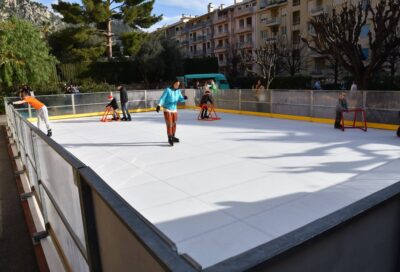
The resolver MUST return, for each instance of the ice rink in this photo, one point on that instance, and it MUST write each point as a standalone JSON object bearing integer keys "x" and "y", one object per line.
{"x": 236, "y": 183}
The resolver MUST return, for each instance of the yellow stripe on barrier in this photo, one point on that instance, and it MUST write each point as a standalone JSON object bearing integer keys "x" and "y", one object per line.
{"x": 252, "y": 113}
{"x": 303, "y": 118}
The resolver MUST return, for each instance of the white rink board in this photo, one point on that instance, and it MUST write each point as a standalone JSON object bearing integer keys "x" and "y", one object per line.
{"x": 236, "y": 183}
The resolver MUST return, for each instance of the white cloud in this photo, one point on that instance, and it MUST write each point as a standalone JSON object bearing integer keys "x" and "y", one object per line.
{"x": 165, "y": 21}
{"x": 196, "y": 6}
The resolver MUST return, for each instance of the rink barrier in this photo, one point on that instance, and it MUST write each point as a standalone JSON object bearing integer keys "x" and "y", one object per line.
{"x": 94, "y": 218}
{"x": 382, "y": 107}
{"x": 81, "y": 216}
{"x": 261, "y": 114}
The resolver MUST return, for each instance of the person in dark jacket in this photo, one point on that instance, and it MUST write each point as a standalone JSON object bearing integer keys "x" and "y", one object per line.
{"x": 126, "y": 116}
{"x": 340, "y": 107}
{"x": 114, "y": 106}
{"x": 205, "y": 99}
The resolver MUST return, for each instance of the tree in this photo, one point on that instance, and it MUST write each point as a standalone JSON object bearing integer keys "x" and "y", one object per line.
{"x": 101, "y": 13}
{"x": 152, "y": 67}
{"x": 24, "y": 55}
{"x": 338, "y": 35}
{"x": 266, "y": 57}
{"x": 292, "y": 58}
{"x": 76, "y": 44}
{"x": 132, "y": 42}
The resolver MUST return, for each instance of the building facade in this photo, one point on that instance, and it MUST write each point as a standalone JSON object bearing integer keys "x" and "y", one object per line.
{"x": 239, "y": 29}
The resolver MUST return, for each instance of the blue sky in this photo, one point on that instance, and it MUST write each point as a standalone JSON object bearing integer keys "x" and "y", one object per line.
{"x": 171, "y": 9}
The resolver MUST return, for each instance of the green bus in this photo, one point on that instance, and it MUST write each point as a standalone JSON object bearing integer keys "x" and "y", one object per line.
{"x": 190, "y": 81}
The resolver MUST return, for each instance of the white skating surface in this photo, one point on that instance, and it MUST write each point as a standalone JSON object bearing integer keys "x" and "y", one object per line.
{"x": 233, "y": 184}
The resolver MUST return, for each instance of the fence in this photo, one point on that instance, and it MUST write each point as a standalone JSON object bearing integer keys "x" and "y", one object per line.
{"x": 380, "y": 106}
{"x": 92, "y": 228}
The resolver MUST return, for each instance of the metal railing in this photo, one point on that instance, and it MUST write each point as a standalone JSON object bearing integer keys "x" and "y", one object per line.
{"x": 92, "y": 227}
{"x": 380, "y": 106}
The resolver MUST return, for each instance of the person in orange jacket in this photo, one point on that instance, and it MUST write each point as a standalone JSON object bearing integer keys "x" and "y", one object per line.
{"x": 42, "y": 113}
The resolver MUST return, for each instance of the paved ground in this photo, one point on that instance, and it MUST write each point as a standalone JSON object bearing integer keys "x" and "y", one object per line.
{"x": 16, "y": 251}
{"x": 3, "y": 120}
{"x": 233, "y": 184}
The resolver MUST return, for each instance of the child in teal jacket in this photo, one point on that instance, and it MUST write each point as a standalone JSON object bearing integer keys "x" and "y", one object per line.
{"x": 169, "y": 100}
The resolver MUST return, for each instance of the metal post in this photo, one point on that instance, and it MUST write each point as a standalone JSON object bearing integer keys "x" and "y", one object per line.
{"x": 89, "y": 223}
{"x": 364, "y": 99}
{"x": 145, "y": 99}
{"x": 30, "y": 111}
{"x": 271, "y": 101}
{"x": 311, "y": 103}
{"x": 240, "y": 99}
{"x": 73, "y": 104}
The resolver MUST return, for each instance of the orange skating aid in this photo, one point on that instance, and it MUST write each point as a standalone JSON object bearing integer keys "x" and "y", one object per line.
{"x": 212, "y": 114}
{"x": 108, "y": 111}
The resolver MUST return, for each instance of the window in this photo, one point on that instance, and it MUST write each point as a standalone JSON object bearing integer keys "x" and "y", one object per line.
{"x": 248, "y": 21}
{"x": 241, "y": 39}
{"x": 296, "y": 18}
{"x": 221, "y": 57}
{"x": 226, "y": 27}
{"x": 208, "y": 45}
{"x": 296, "y": 3}
{"x": 264, "y": 34}
{"x": 296, "y": 37}
{"x": 191, "y": 48}
{"x": 241, "y": 23}
{"x": 283, "y": 30}
{"x": 248, "y": 37}
{"x": 364, "y": 31}
{"x": 220, "y": 43}
{"x": 263, "y": 4}
{"x": 219, "y": 28}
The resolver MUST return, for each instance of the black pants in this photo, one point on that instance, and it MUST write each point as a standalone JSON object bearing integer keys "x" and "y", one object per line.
{"x": 125, "y": 112}
{"x": 204, "y": 112}
{"x": 338, "y": 119}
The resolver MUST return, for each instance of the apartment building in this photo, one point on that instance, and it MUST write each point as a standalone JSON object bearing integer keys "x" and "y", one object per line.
{"x": 235, "y": 34}
{"x": 178, "y": 32}
{"x": 239, "y": 29}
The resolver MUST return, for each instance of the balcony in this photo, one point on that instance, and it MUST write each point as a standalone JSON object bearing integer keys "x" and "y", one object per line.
{"x": 244, "y": 11}
{"x": 247, "y": 28}
{"x": 318, "y": 73}
{"x": 246, "y": 44}
{"x": 311, "y": 31}
{"x": 221, "y": 48}
{"x": 184, "y": 43}
{"x": 199, "y": 25}
{"x": 270, "y": 40}
{"x": 221, "y": 34}
{"x": 221, "y": 19}
{"x": 318, "y": 10}
{"x": 275, "y": 3}
{"x": 272, "y": 21}
{"x": 222, "y": 62}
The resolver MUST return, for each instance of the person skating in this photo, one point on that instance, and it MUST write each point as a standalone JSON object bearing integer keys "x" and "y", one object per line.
{"x": 126, "y": 116}
{"x": 42, "y": 113}
{"x": 169, "y": 100}
{"x": 205, "y": 99}
{"x": 114, "y": 106}
{"x": 340, "y": 107}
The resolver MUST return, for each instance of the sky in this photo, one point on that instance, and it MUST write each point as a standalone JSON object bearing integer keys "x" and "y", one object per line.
{"x": 171, "y": 10}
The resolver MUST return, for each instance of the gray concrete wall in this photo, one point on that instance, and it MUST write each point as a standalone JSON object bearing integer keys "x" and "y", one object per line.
{"x": 367, "y": 243}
